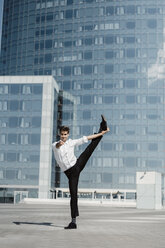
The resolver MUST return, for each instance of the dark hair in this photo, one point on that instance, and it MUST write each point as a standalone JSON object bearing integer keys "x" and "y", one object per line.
{"x": 64, "y": 128}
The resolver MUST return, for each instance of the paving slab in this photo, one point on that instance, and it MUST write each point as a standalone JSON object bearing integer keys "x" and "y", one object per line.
{"x": 42, "y": 226}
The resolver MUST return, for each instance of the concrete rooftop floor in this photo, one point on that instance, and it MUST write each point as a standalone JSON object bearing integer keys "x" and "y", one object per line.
{"x": 42, "y": 226}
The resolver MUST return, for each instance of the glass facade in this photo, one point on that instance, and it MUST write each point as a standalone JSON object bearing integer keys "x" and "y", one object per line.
{"x": 1, "y": 12}
{"x": 109, "y": 55}
{"x": 27, "y": 120}
{"x": 20, "y": 122}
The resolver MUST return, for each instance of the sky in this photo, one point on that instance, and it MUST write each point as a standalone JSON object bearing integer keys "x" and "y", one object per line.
{"x": 1, "y": 4}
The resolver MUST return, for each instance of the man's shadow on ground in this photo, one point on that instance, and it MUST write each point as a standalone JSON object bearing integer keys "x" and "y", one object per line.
{"x": 35, "y": 223}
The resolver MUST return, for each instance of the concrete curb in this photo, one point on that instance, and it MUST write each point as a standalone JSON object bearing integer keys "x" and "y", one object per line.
{"x": 80, "y": 201}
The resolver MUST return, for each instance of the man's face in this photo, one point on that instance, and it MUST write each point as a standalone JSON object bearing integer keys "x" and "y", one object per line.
{"x": 64, "y": 135}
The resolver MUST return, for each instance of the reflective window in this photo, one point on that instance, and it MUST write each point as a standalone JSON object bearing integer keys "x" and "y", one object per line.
{"x": 27, "y": 89}
{"x": 12, "y": 138}
{"x": 67, "y": 115}
{"x": 69, "y": 2}
{"x": 88, "y": 41}
{"x": 131, "y": 99}
{"x": 152, "y": 163}
{"x": 37, "y": 89}
{"x": 87, "y": 86}
{"x": 130, "y": 116}
{"x": 14, "y": 89}
{"x": 49, "y": 4}
{"x": 131, "y": 53}
{"x": 67, "y": 70}
{"x": 130, "y": 9}
{"x": 152, "y": 23}
{"x": 3, "y": 89}
{"x": 130, "y": 83}
{"x": 24, "y": 122}
{"x": 68, "y": 43}
{"x": 3, "y": 105}
{"x": 48, "y": 58}
{"x": 4, "y": 122}
{"x": 13, "y": 122}
{"x": 130, "y": 40}
{"x": 109, "y": 68}
{"x": 130, "y": 161}
{"x": 89, "y": 1}
{"x": 87, "y": 99}
{"x": 88, "y": 69}
{"x": 10, "y": 174}
{"x": 38, "y": 19}
{"x": 107, "y": 177}
{"x": 26, "y": 105}
{"x": 109, "y": 54}
{"x": 11, "y": 157}
{"x": 37, "y": 105}
{"x": 49, "y": 31}
{"x": 2, "y": 156}
{"x": 67, "y": 85}
{"x": 2, "y": 139}
{"x": 153, "y": 147}
{"x": 41, "y": 45}
{"x": 48, "y": 43}
{"x": 109, "y": 99}
{"x": 34, "y": 158}
{"x": 49, "y": 18}
{"x": 14, "y": 105}
{"x": 130, "y": 25}
{"x": 88, "y": 55}
{"x": 153, "y": 99}
{"x": 36, "y": 121}
{"x": 23, "y": 139}
{"x": 86, "y": 115}
{"x": 37, "y": 46}
{"x": 68, "y": 14}
{"x": 151, "y": 11}
{"x": 108, "y": 146}
{"x": 35, "y": 139}
{"x": 110, "y": 10}
{"x": 109, "y": 39}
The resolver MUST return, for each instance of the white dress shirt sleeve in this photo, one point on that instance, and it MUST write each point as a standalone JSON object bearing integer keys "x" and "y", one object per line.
{"x": 54, "y": 144}
{"x": 78, "y": 142}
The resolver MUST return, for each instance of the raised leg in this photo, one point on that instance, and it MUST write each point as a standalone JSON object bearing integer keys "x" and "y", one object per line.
{"x": 83, "y": 158}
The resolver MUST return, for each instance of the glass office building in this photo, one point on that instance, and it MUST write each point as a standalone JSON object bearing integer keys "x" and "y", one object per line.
{"x": 109, "y": 55}
{"x": 28, "y": 115}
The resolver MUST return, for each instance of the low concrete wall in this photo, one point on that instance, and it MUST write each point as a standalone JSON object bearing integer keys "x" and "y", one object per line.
{"x": 127, "y": 203}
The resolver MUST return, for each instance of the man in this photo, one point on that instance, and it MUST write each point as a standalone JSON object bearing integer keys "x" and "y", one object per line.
{"x": 71, "y": 166}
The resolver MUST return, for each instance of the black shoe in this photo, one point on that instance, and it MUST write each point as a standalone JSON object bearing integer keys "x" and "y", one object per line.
{"x": 71, "y": 226}
{"x": 103, "y": 124}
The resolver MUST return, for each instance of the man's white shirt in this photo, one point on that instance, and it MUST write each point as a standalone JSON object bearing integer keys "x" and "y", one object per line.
{"x": 64, "y": 155}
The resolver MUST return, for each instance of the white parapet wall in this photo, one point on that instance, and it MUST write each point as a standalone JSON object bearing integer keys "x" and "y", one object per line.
{"x": 65, "y": 201}
{"x": 148, "y": 186}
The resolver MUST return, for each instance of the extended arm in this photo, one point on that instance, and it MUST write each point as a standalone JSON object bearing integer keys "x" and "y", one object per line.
{"x": 81, "y": 141}
{"x": 93, "y": 136}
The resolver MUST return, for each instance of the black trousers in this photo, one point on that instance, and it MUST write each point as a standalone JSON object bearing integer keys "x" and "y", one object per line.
{"x": 74, "y": 172}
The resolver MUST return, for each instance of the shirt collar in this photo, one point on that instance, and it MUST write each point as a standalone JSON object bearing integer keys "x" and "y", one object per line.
{"x": 66, "y": 142}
